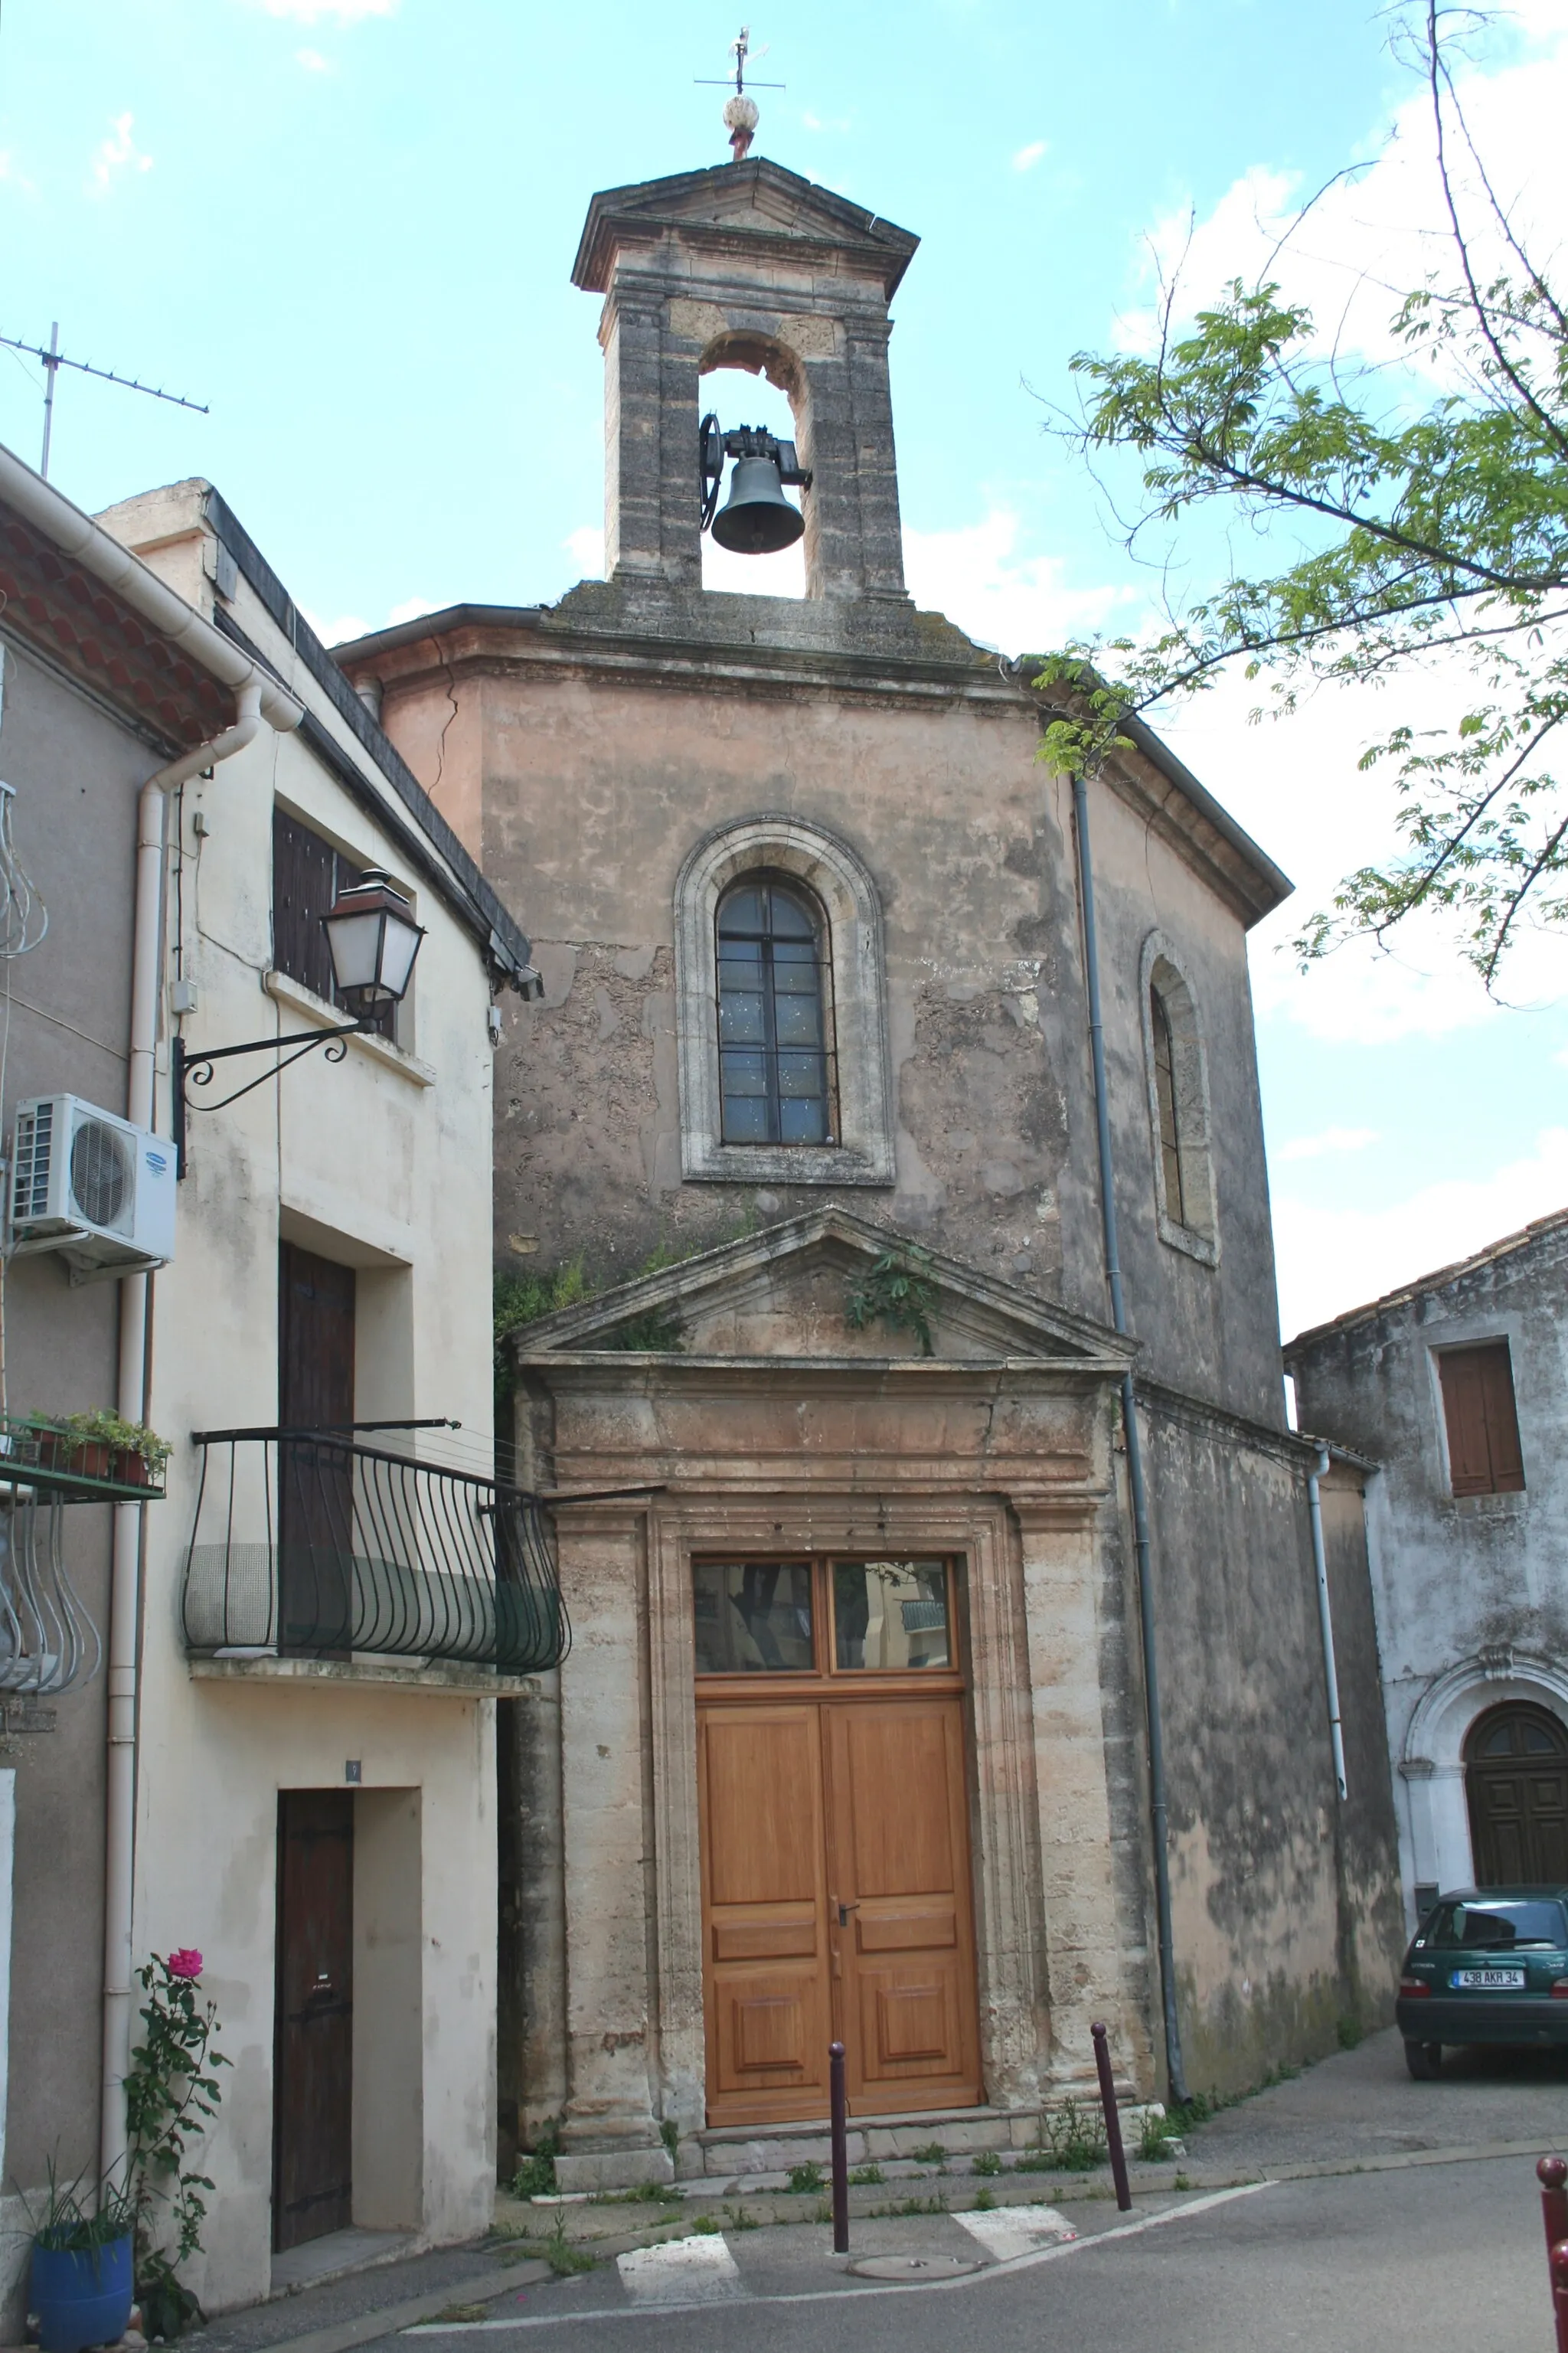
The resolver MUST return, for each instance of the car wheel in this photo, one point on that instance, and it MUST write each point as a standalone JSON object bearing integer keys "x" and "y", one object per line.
{"x": 1418, "y": 2059}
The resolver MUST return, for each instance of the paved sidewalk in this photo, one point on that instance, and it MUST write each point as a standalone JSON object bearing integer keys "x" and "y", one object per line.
{"x": 1361, "y": 2104}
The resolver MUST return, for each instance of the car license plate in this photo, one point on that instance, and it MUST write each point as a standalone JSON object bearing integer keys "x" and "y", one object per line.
{"x": 1490, "y": 1979}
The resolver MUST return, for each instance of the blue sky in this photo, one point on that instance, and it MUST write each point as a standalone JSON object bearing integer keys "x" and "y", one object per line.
{"x": 349, "y": 226}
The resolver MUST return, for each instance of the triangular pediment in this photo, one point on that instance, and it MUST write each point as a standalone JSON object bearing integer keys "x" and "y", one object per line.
{"x": 758, "y": 197}
{"x": 785, "y": 1294}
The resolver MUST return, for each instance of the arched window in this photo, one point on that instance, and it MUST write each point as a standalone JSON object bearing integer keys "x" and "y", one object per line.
{"x": 774, "y": 1040}
{"x": 1166, "y": 1104}
{"x": 1178, "y": 1106}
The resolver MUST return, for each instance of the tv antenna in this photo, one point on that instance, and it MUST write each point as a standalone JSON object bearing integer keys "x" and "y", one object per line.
{"x": 740, "y": 111}
{"x": 53, "y": 359}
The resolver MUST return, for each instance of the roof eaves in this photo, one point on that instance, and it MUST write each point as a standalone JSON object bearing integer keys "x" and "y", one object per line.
{"x": 1438, "y": 1280}
{"x": 498, "y": 933}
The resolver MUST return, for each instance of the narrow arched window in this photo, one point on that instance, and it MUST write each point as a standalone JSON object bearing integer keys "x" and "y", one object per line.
{"x": 774, "y": 1021}
{"x": 1165, "y": 1103}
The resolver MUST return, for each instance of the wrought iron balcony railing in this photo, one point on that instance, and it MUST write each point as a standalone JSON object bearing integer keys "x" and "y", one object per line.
{"x": 308, "y": 1544}
{"x": 47, "y": 1637}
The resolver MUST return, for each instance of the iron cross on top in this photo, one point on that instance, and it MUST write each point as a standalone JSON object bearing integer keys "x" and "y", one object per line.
{"x": 740, "y": 111}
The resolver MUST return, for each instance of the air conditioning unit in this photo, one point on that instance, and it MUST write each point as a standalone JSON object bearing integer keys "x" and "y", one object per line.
{"x": 92, "y": 1187}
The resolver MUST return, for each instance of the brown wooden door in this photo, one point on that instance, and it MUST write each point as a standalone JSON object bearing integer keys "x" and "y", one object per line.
{"x": 764, "y": 1912}
{"x": 312, "y": 2134}
{"x": 315, "y": 1476}
{"x": 836, "y": 1888}
{"x": 899, "y": 1868}
{"x": 1516, "y": 1779}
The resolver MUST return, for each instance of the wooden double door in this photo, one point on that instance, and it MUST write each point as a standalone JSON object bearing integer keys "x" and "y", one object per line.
{"x": 836, "y": 1887}
{"x": 1516, "y": 1779}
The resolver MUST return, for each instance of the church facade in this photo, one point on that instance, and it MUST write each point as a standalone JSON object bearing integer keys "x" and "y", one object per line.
{"x": 853, "y": 1738}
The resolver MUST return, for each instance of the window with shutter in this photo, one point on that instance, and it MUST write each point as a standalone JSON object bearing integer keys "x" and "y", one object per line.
{"x": 307, "y": 873}
{"x": 1484, "y": 1453}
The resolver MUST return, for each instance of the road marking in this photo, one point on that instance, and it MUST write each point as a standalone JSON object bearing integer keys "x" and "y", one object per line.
{"x": 684, "y": 2272}
{"x": 1008, "y": 2231}
{"x": 1014, "y": 2264}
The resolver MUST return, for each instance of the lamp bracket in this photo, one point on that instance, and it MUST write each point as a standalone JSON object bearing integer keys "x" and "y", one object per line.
{"x": 188, "y": 1069}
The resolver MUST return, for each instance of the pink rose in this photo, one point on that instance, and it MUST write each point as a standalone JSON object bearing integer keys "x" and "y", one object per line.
{"x": 185, "y": 1963}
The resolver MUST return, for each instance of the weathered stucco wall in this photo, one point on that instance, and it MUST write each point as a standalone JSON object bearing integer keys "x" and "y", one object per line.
{"x": 1471, "y": 1592}
{"x": 75, "y": 769}
{"x": 380, "y": 1162}
{"x": 1282, "y": 1894}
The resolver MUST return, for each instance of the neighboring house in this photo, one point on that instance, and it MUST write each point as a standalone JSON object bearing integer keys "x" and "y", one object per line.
{"x": 856, "y": 1734}
{"x": 307, "y": 1636}
{"x": 1457, "y": 1387}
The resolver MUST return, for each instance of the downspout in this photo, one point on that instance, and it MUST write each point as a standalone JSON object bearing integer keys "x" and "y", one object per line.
{"x": 135, "y": 1304}
{"x": 1326, "y": 1617}
{"x": 1135, "y": 1481}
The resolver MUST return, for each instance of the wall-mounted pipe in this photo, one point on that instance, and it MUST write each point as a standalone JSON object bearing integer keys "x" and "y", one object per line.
{"x": 1137, "y": 1487}
{"x": 1326, "y": 1617}
{"x": 257, "y": 693}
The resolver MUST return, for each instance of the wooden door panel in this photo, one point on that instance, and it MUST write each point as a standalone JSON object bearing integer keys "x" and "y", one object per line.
{"x": 890, "y": 1752}
{"x": 1518, "y": 1822}
{"x": 765, "y": 1968}
{"x": 313, "y": 2071}
{"x": 899, "y": 1863}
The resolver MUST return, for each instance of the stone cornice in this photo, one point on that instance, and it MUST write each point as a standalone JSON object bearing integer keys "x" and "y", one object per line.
{"x": 886, "y": 655}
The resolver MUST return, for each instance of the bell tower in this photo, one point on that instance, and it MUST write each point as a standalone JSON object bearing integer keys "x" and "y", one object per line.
{"x": 746, "y": 264}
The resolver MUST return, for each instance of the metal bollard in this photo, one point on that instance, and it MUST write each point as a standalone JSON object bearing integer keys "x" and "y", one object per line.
{"x": 839, "y": 2109}
{"x": 1559, "y": 2267}
{"x": 1113, "y": 2122}
{"x": 1553, "y": 2175}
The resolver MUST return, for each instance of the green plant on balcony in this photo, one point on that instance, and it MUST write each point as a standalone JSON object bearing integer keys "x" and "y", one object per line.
{"x": 101, "y": 1445}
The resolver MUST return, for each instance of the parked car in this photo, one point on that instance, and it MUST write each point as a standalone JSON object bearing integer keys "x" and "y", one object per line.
{"x": 1487, "y": 1965}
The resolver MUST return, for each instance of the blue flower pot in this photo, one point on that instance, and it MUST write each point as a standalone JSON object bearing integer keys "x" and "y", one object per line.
{"x": 83, "y": 2298}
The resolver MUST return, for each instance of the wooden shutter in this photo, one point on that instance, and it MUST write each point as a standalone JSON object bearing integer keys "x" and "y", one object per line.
{"x": 307, "y": 875}
{"x": 1484, "y": 1454}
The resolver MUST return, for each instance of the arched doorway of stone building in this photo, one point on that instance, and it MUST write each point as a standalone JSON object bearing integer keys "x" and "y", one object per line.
{"x": 1516, "y": 1783}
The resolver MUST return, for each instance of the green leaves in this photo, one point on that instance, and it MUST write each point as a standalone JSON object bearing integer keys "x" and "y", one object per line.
{"x": 898, "y": 1291}
{"x": 1427, "y": 517}
{"x": 169, "y": 2099}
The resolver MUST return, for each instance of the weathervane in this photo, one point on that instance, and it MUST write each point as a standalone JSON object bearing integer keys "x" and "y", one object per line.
{"x": 740, "y": 111}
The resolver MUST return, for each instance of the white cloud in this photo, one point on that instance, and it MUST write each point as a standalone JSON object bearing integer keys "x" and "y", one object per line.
{"x": 1028, "y": 157}
{"x": 1314, "y": 1147}
{"x": 119, "y": 152}
{"x": 312, "y": 60}
{"x": 338, "y": 12}
{"x": 1333, "y": 1259}
{"x": 586, "y": 549}
{"x": 1370, "y": 238}
{"x": 343, "y": 631}
{"x": 1295, "y": 785}
{"x": 13, "y": 176}
{"x": 411, "y": 609}
{"x": 978, "y": 575}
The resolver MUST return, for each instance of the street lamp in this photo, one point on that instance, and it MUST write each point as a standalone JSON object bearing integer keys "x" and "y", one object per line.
{"x": 373, "y": 940}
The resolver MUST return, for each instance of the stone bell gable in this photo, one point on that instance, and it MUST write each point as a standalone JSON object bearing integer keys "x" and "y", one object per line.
{"x": 746, "y": 266}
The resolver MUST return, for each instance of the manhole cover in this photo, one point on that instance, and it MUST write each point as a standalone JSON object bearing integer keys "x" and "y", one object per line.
{"x": 916, "y": 2268}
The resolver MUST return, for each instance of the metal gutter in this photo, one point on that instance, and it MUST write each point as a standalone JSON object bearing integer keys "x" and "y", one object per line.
{"x": 87, "y": 543}
{"x": 1159, "y": 1820}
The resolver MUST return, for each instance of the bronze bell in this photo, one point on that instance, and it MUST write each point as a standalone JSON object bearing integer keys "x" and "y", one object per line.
{"x": 757, "y": 518}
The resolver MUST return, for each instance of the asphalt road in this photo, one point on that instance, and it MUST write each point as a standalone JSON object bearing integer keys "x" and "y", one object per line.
{"x": 1398, "y": 2260}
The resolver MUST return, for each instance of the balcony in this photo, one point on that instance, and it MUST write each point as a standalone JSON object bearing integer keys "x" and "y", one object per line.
{"x": 308, "y": 1546}
{"x": 47, "y": 1640}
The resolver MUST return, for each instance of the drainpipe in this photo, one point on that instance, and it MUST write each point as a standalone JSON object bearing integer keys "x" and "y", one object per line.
{"x": 1326, "y": 1617}
{"x": 135, "y": 1322}
{"x": 1135, "y": 1482}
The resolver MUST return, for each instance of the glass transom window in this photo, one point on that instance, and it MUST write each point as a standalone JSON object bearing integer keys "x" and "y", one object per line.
{"x": 774, "y": 1051}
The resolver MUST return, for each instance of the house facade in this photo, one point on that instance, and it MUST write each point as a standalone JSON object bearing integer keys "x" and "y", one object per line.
{"x": 1454, "y": 1385}
{"x": 305, "y": 1636}
{"x": 855, "y": 1734}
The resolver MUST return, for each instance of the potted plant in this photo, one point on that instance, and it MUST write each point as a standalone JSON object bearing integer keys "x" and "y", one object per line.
{"x": 100, "y": 1445}
{"x": 80, "y": 2283}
